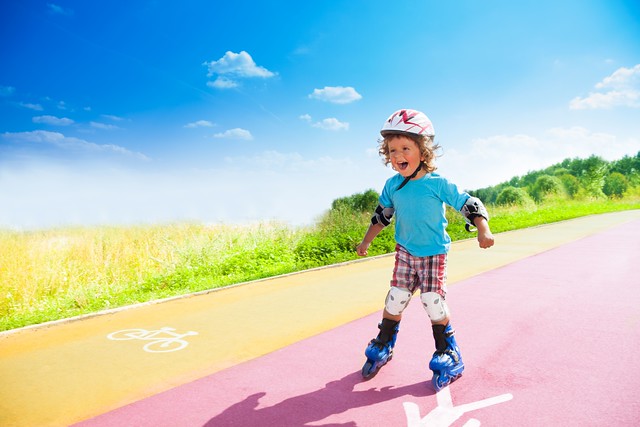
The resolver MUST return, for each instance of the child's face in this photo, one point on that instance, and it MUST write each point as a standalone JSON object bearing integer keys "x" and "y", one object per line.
{"x": 404, "y": 155}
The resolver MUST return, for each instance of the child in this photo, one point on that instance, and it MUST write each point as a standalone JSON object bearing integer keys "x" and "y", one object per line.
{"x": 417, "y": 197}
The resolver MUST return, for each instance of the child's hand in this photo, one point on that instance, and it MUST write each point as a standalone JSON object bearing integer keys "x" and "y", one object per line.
{"x": 361, "y": 250}
{"x": 485, "y": 239}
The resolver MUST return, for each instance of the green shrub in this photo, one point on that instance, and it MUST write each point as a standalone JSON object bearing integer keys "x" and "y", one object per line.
{"x": 615, "y": 185}
{"x": 547, "y": 186}
{"x": 570, "y": 183}
{"x": 513, "y": 196}
{"x": 359, "y": 202}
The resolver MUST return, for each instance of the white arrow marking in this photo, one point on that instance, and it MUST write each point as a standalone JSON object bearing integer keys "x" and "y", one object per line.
{"x": 445, "y": 413}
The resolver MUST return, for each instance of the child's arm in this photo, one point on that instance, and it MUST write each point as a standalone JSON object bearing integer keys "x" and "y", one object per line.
{"x": 372, "y": 232}
{"x": 485, "y": 237}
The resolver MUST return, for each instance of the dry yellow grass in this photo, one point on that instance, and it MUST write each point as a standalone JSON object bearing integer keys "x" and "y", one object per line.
{"x": 45, "y": 271}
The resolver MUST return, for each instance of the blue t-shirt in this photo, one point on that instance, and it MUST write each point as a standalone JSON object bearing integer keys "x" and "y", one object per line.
{"x": 420, "y": 212}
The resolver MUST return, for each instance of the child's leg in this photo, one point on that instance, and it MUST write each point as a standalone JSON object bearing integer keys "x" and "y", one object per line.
{"x": 380, "y": 349}
{"x": 446, "y": 362}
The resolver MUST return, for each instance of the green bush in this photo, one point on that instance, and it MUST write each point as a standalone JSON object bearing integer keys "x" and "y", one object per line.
{"x": 547, "y": 186}
{"x": 359, "y": 202}
{"x": 570, "y": 183}
{"x": 615, "y": 185}
{"x": 513, "y": 196}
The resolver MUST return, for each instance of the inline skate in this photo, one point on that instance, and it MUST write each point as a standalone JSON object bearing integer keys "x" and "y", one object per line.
{"x": 380, "y": 349}
{"x": 446, "y": 363}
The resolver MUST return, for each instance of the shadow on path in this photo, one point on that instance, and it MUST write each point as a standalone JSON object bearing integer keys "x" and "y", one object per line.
{"x": 335, "y": 398}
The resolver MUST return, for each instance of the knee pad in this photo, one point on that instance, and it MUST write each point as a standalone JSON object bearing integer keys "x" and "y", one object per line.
{"x": 397, "y": 300}
{"x": 435, "y": 306}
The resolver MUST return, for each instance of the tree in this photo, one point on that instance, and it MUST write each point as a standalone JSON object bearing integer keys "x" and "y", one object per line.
{"x": 359, "y": 202}
{"x": 513, "y": 196}
{"x": 627, "y": 165}
{"x": 615, "y": 185}
{"x": 487, "y": 195}
{"x": 545, "y": 186}
{"x": 570, "y": 183}
{"x": 593, "y": 174}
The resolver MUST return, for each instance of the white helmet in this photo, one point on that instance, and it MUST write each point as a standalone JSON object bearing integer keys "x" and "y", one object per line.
{"x": 408, "y": 121}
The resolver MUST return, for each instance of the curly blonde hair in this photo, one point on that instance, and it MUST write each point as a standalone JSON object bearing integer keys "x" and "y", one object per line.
{"x": 425, "y": 143}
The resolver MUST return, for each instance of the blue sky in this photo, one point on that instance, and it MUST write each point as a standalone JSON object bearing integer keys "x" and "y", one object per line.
{"x": 126, "y": 112}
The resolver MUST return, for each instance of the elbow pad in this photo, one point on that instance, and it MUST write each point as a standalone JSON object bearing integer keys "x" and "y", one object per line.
{"x": 382, "y": 216}
{"x": 473, "y": 208}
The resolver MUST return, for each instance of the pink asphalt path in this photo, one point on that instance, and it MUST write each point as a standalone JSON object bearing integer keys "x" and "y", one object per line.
{"x": 550, "y": 340}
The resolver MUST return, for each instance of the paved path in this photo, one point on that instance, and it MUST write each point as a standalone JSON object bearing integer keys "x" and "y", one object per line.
{"x": 547, "y": 321}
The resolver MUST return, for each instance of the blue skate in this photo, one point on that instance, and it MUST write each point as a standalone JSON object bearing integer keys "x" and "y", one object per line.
{"x": 380, "y": 349}
{"x": 446, "y": 362}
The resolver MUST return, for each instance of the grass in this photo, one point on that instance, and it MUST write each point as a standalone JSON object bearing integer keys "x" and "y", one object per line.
{"x": 55, "y": 274}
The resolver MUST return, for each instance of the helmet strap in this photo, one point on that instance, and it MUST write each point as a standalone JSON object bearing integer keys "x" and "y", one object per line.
{"x": 410, "y": 177}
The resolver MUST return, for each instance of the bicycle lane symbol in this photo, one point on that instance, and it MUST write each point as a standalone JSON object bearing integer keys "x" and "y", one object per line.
{"x": 445, "y": 413}
{"x": 162, "y": 340}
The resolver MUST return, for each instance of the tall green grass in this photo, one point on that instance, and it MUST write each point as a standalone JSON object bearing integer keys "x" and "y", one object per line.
{"x": 56, "y": 274}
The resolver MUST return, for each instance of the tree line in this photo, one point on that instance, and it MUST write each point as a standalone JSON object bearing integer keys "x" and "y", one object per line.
{"x": 591, "y": 178}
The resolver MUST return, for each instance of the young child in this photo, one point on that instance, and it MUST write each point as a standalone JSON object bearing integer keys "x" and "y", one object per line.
{"x": 417, "y": 196}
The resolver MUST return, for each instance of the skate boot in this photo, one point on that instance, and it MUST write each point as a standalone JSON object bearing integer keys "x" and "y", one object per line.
{"x": 446, "y": 362}
{"x": 380, "y": 349}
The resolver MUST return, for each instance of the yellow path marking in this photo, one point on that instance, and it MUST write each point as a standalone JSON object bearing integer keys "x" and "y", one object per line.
{"x": 65, "y": 372}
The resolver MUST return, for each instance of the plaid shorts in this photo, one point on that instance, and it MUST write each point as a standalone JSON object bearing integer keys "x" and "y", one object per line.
{"x": 429, "y": 274}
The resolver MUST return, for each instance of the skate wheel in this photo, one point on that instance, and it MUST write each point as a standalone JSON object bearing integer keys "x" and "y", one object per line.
{"x": 439, "y": 382}
{"x": 368, "y": 370}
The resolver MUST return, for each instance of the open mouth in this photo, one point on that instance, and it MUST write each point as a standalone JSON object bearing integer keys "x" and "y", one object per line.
{"x": 403, "y": 165}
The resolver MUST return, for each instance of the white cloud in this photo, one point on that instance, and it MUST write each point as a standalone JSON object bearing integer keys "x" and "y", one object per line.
{"x": 233, "y": 66}
{"x": 35, "y": 107}
{"x": 495, "y": 159}
{"x": 198, "y": 124}
{"x": 620, "y": 89}
{"x": 327, "y": 124}
{"x": 103, "y": 126}
{"x": 69, "y": 143}
{"x": 236, "y": 133}
{"x": 238, "y": 64}
{"x": 336, "y": 94}
{"x": 222, "y": 83}
{"x": 112, "y": 117}
{"x": 331, "y": 124}
{"x": 621, "y": 78}
{"x": 52, "y": 120}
